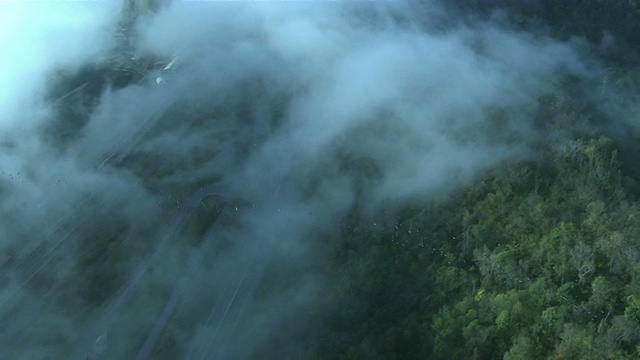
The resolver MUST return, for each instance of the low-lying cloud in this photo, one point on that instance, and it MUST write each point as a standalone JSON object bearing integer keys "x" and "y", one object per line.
{"x": 292, "y": 114}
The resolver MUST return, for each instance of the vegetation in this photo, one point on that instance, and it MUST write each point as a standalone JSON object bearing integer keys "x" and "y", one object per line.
{"x": 539, "y": 259}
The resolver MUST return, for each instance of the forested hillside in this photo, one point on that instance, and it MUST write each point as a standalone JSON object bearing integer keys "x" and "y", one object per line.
{"x": 536, "y": 259}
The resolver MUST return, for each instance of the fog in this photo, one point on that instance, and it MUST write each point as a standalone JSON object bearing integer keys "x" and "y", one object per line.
{"x": 278, "y": 120}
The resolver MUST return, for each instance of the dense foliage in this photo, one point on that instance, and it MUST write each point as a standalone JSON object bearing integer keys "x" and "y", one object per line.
{"x": 534, "y": 261}
{"x": 539, "y": 259}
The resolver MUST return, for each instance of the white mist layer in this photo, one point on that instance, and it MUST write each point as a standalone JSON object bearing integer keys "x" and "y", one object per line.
{"x": 294, "y": 113}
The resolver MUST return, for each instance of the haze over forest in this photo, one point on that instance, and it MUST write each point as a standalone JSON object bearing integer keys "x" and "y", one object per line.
{"x": 320, "y": 180}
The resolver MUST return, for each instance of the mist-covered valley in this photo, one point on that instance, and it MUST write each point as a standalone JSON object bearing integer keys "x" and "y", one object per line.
{"x": 319, "y": 180}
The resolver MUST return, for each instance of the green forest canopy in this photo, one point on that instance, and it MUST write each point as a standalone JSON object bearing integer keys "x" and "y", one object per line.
{"x": 539, "y": 259}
